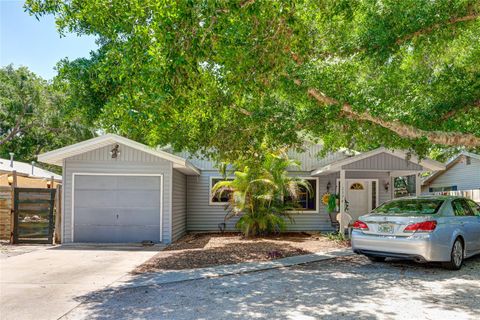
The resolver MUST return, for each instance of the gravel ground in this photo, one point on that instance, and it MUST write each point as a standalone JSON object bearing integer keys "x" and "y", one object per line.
{"x": 7, "y": 250}
{"x": 342, "y": 288}
{"x": 206, "y": 250}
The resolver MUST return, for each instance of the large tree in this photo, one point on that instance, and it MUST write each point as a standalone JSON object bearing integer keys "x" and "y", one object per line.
{"x": 34, "y": 116}
{"x": 231, "y": 75}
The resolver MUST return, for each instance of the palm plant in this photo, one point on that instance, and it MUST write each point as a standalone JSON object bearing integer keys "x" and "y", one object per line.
{"x": 259, "y": 194}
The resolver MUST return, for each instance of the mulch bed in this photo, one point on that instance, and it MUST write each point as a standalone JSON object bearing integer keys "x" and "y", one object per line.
{"x": 205, "y": 250}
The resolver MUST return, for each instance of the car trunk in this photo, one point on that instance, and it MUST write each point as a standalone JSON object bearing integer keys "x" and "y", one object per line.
{"x": 392, "y": 225}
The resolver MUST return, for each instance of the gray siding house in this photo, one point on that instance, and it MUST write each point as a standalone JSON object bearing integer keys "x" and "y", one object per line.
{"x": 462, "y": 173}
{"x": 117, "y": 190}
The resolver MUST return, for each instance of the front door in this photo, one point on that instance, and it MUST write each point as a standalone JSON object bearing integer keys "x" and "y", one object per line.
{"x": 362, "y": 196}
{"x": 357, "y": 197}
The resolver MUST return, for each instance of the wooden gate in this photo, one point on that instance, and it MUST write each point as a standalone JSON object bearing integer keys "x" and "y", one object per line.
{"x": 33, "y": 215}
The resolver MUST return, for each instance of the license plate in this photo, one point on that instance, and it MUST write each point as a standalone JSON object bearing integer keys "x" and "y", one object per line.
{"x": 385, "y": 228}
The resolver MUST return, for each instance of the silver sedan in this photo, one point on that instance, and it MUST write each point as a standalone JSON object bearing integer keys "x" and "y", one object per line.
{"x": 428, "y": 228}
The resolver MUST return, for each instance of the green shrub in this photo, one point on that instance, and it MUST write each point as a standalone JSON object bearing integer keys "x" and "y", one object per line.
{"x": 258, "y": 195}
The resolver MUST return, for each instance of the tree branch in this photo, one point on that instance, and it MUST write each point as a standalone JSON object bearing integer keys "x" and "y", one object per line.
{"x": 241, "y": 110}
{"x": 403, "y": 130}
{"x": 407, "y": 37}
{"x": 13, "y": 132}
{"x": 246, "y": 3}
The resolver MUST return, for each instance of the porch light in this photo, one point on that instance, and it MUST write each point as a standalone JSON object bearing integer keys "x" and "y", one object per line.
{"x": 329, "y": 185}
{"x": 386, "y": 185}
{"x": 115, "y": 152}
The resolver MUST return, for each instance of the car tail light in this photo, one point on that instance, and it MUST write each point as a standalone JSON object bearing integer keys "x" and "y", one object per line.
{"x": 360, "y": 225}
{"x": 426, "y": 226}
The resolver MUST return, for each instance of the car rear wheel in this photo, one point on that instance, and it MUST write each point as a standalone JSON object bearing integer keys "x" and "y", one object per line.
{"x": 376, "y": 259}
{"x": 456, "y": 256}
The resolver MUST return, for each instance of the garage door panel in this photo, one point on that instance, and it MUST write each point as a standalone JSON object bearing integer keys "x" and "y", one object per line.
{"x": 96, "y": 216}
{"x": 138, "y": 199}
{"x": 139, "y": 217}
{"x": 138, "y": 183}
{"x": 95, "y": 182}
{"x": 95, "y": 198}
{"x": 116, "y": 234}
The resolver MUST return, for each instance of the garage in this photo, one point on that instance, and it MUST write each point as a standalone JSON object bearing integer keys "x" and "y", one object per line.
{"x": 117, "y": 208}
{"x": 116, "y": 190}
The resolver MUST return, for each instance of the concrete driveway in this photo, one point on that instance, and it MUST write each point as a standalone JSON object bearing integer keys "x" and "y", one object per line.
{"x": 41, "y": 282}
{"x": 342, "y": 288}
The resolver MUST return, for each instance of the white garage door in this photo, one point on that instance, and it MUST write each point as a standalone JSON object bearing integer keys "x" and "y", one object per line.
{"x": 121, "y": 209}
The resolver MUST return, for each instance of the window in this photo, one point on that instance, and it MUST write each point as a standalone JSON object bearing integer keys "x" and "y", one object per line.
{"x": 474, "y": 207}
{"x": 215, "y": 199}
{"x": 404, "y": 186}
{"x": 356, "y": 186}
{"x": 468, "y": 161}
{"x": 440, "y": 189}
{"x": 461, "y": 208}
{"x": 307, "y": 201}
{"x": 416, "y": 206}
{"x": 374, "y": 194}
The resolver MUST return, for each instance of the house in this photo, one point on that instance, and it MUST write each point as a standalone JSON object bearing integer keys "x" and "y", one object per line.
{"x": 119, "y": 190}
{"x": 27, "y": 175}
{"x": 462, "y": 173}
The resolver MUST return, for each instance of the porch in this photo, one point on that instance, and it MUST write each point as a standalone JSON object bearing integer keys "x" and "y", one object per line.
{"x": 365, "y": 181}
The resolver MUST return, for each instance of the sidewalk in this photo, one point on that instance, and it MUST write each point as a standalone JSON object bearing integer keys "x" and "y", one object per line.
{"x": 171, "y": 276}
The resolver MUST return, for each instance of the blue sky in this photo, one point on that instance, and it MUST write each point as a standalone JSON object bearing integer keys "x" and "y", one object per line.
{"x": 36, "y": 44}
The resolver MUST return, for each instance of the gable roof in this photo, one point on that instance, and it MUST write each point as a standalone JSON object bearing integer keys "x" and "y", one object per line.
{"x": 25, "y": 169}
{"x": 57, "y": 156}
{"x": 428, "y": 164}
{"x": 450, "y": 163}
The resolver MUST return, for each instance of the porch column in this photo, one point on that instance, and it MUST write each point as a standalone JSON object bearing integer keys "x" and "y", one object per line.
{"x": 418, "y": 184}
{"x": 342, "y": 199}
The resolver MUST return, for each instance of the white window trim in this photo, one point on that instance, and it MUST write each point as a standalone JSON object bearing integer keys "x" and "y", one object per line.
{"x": 317, "y": 196}
{"x": 210, "y": 194}
{"x": 116, "y": 174}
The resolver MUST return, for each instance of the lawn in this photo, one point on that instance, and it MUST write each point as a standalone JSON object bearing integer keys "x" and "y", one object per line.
{"x": 210, "y": 249}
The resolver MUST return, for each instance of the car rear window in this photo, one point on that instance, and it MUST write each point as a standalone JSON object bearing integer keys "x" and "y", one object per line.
{"x": 416, "y": 206}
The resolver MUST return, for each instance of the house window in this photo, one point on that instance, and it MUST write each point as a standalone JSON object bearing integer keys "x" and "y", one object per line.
{"x": 440, "y": 189}
{"x": 374, "y": 194}
{"x": 356, "y": 186}
{"x": 468, "y": 161}
{"x": 404, "y": 186}
{"x": 226, "y": 194}
{"x": 307, "y": 200}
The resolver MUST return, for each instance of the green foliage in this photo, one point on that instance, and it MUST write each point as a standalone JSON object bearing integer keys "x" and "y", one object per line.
{"x": 258, "y": 195}
{"x": 336, "y": 236}
{"x": 223, "y": 77}
{"x": 332, "y": 203}
{"x": 34, "y": 116}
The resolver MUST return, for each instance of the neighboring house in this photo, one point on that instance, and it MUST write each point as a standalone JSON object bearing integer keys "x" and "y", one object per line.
{"x": 118, "y": 190}
{"x": 27, "y": 175}
{"x": 462, "y": 173}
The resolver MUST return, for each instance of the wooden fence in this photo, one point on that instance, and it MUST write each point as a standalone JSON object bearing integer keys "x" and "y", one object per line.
{"x": 470, "y": 194}
{"x": 7, "y": 206}
{"x": 33, "y": 215}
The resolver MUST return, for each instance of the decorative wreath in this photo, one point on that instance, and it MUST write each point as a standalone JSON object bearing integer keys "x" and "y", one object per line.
{"x": 330, "y": 201}
{"x": 325, "y": 198}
